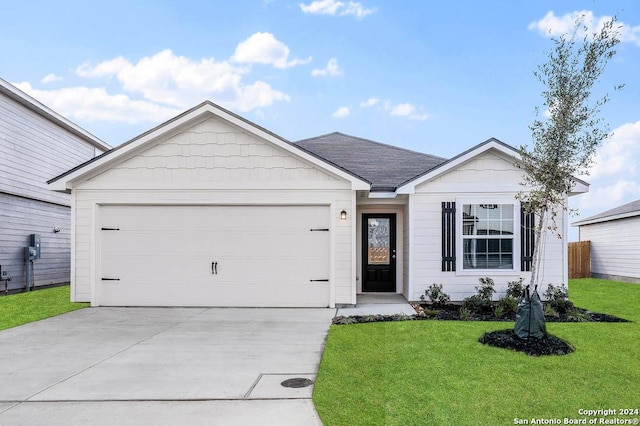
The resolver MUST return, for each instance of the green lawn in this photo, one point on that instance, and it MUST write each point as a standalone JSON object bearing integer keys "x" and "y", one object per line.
{"x": 22, "y": 308}
{"x": 436, "y": 372}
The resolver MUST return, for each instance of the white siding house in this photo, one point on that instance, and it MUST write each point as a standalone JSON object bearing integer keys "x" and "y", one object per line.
{"x": 36, "y": 144}
{"x": 614, "y": 236}
{"x": 210, "y": 209}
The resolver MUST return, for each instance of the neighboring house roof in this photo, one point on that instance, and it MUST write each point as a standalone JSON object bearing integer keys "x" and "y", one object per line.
{"x": 627, "y": 210}
{"x": 41, "y": 109}
{"x": 385, "y": 166}
{"x": 97, "y": 164}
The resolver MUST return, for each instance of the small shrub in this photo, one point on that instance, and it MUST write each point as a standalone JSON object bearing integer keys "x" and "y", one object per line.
{"x": 515, "y": 289}
{"x": 485, "y": 290}
{"x": 549, "y": 311}
{"x": 465, "y": 313}
{"x": 577, "y": 315}
{"x": 506, "y": 305}
{"x": 431, "y": 312}
{"x": 436, "y": 296}
{"x": 482, "y": 300}
{"x": 477, "y": 304}
{"x": 341, "y": 320}
{"x": 558, "y": 298}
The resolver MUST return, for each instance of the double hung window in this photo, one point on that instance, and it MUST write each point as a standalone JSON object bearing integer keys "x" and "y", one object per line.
{"x": 488, "y": 236}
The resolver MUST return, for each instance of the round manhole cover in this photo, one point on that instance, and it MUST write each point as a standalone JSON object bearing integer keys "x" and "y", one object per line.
{"x": 298, "y": 382}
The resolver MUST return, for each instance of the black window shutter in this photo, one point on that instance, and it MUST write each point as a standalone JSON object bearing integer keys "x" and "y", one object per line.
{"x": 448, "y": 236}
{"x": 527, "y": 238}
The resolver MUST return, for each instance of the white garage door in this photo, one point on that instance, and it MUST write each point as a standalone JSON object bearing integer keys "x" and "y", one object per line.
{"x": 214, "y": 256}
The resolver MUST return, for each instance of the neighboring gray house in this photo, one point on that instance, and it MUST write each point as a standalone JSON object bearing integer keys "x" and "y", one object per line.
{"x": 209, "y": 209}
{"x": 615, "y": 242}
{"x": 36, "y": 144}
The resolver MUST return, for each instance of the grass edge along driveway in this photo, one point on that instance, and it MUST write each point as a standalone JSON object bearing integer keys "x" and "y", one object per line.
{"x": 22, "y": 308}
{"x": 437, "y": 373}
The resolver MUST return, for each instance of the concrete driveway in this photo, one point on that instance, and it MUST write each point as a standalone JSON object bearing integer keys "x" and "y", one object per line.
{"x": 162, "y": 366}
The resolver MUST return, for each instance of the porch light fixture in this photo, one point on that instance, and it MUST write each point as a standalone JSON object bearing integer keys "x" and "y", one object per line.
{"x": 343, "y": 215}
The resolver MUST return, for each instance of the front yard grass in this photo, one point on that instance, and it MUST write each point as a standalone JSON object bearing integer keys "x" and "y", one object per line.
{"x": 437, "y": 373}
{"x": 22, "y": 308}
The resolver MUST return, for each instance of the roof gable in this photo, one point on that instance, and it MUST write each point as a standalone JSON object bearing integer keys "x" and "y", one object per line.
{"x": 621, "y": 212}
{"x": 189, "y": 118}
{"x": 34, "y": 105}
{"x": 408, "y": 187}
{"x": 385, "y": 166}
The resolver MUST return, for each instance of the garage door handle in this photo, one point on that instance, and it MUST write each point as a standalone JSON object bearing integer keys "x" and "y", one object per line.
{"x": 325, "y": 280}
{"x": 214, "y": 268}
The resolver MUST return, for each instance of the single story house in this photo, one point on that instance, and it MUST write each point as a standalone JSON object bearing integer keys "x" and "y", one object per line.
{"x": 209, "y": 209}
{"x": 614, "y": 236}
{"x": 36, "y": 144}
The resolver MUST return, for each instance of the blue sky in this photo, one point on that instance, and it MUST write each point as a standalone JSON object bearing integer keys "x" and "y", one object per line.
{"x": 435, "y": 77}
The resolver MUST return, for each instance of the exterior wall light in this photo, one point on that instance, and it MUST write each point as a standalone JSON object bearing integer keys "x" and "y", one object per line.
{"x": 343, "y": 215}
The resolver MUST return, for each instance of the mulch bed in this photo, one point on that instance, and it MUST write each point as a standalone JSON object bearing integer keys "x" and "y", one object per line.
{"x": 549, "y": 345}
{"x": 451, "y": 312}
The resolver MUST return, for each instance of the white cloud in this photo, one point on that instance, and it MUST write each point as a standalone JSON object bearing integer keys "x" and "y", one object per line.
{"x": 405, "y": 110}
{"x": 95, "y": 104}
{"x": 369, "y": 102}
{"x": 103, "y": 69}
{"x": 553, "y": 26}
{"x": 264, "y": 48}
{"x": 50, "y": 78}
{"x": 332, "y": 69}
{"x": 615, "y": 178}
{"x": 357, "y": 9}
{"x": 618, "y": 156}
{"x": 341, "y": 112}
{"x": 169, "y": 79}
{"x": 334, "y": 7}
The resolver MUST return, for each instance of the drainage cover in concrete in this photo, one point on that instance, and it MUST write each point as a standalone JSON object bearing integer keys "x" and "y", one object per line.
{"x": 297, "y": 382}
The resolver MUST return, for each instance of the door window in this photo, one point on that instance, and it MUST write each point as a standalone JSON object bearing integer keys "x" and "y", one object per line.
{"x": 379, "y": 249}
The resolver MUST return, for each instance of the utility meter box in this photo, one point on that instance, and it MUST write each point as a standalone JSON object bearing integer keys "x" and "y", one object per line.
{"x": 30, "y": 253}
{"x": 34, "y": 241}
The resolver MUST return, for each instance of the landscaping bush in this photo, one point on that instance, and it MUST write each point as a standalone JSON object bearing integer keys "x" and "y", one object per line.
{"x": 436, "y": 296}
{"x": 482, "y": 300}
{"x": 515, "y": 289}
{"x": 506, "y": 305}
{"x": 558, "y": 298}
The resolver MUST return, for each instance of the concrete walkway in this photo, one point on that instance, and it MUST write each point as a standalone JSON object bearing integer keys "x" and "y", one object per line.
{"x": 162, "y": 366}
{"x": 378, "y": 304}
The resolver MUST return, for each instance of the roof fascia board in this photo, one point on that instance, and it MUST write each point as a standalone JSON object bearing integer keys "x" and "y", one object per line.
{"x": 606, "y": 218}
{"x": 410, "y": 187}
{"x": 580, "y": 187}
{"x": 196, "y": 114}
{"x": 382, "y": 194}
{"x": 49, "y": 114}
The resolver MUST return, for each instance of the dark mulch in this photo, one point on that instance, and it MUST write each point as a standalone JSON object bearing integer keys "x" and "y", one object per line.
{"x": 451, "y": 312}
{"x": 549, "y": 345}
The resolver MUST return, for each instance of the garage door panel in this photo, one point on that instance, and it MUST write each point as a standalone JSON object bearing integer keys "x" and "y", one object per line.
{"x": 265, "y": 255}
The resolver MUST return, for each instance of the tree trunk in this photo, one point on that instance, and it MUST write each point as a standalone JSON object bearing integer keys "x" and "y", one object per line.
{"x": 536, "y": 247}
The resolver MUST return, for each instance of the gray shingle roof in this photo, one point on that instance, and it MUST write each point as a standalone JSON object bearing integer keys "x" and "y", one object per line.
{"x": 385, "y": 166}
{"x": 626, "y": 210}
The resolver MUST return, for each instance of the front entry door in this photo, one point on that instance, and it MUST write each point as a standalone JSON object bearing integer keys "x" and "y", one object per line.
{"x": 379, "y": 252}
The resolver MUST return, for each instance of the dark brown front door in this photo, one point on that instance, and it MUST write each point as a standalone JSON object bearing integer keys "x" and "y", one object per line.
{"x": 379, "y": 252}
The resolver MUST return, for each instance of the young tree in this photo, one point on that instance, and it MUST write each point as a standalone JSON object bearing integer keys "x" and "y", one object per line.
{"x": 567, "y": 136}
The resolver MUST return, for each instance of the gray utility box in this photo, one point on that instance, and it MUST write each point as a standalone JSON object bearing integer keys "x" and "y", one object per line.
{"x": 34, "y": 241}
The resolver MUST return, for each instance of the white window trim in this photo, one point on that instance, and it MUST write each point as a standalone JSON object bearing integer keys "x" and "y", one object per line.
{"x": 489, "y": 199}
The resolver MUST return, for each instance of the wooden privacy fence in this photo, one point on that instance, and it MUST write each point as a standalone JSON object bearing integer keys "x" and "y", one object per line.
{"x": 580, "y": 259}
